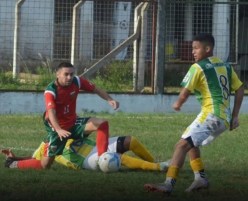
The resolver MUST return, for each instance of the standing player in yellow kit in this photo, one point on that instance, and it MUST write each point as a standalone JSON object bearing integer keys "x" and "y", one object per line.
{"x": 212, "y": 81}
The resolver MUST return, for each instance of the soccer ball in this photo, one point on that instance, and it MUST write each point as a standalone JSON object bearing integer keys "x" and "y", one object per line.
{"x": 109, "y": 162}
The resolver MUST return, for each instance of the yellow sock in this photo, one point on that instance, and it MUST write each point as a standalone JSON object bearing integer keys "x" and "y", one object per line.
{"x": 140, "y": 150}
{"x": 172, "y": 172}
{"x": 198, "y": 168}
{"x": 197, "y": 165}
{"x": 136, "y": 163}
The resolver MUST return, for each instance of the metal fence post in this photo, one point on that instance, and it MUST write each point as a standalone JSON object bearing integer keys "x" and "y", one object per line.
{"x": 16, "y": 67}
{"x": 160, "y": 50}
{"x": 75, "y": 34}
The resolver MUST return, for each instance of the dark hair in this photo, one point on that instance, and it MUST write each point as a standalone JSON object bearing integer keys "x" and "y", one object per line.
{"x": 64, "y": 64}
{"x": 206, "y": 38}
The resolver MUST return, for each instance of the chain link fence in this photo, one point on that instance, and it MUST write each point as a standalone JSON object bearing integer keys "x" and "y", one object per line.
{"x": 227, "y": 20}
{"x": 35, "y": 34}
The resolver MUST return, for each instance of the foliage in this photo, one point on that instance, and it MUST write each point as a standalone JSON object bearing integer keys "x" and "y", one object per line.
{"x": 45, "y": 76}
{"x": 7, "y": 79}
{"x": 27, "y": 80}
{"x": 224, "y": 160}
{"x": 117, "y": 77}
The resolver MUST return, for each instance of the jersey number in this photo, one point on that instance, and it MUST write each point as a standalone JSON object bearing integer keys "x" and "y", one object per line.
{"x": 224, "y": 85}
{"x": 66, "y": 109}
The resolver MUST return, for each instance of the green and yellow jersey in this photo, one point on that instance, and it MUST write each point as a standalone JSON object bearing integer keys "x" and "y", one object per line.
{"x": 212, "y": 81}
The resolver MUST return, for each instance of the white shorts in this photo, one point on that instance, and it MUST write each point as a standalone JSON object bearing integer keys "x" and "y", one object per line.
{"x": 90, "y": 161}
{"x": 204, "y": 129}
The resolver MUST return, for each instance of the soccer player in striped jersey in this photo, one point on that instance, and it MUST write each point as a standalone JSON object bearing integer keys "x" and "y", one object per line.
{"x": 60, "y": 118}
{"x": 212, "y": 81}
{"x": 82, "y": 154}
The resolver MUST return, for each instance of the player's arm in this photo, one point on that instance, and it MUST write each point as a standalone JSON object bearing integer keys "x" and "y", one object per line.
{"x": 182, "y": 98}
{"x": 88, "y": 86}
{"x": 188, "y": 85}
{"x": 238, "y": 98}
{"x": 104, "y": 95}
{"x": 55, "y": 124}
{"x": 52, "y": 116}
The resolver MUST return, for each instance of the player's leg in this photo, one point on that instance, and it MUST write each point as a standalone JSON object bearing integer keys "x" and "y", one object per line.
{"x": 32, "y": 163}
{"x": 131, "y": 143}
{"x": 177, "y": 161}
{"x": 137, "y": 163}
{"x": 12, "y": 160}
{"x": 178, "y": 158}
{"x": 143, "y": 163}
{"x": 101, "y": 127}
{"x": 91, "y": 160}
{"x": 52, "y": 147}
{"x": 208, "y": 130}
{"x": 47, "y": 161}
{"x": 37, "y": 161}
{"x": 203, "y": 130}
{"x": 120, "y": 145}
{"x": 200, "y": 180}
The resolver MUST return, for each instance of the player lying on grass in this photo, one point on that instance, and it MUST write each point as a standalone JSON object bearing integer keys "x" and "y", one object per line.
{"x": 82, "y": 154}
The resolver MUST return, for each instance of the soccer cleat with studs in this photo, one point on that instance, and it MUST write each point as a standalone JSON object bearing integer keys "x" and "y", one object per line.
{"x": 161, "y": 187}
{"x": 198, "y": 184}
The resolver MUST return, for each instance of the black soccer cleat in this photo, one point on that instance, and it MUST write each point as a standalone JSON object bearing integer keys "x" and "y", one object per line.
{"x": 10, "y": 162}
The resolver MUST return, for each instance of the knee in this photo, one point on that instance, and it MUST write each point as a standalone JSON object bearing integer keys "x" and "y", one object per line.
{"x": 127, "y": 141}
{"x": 104, "y": 125}
{"x": 94, "y": 123}
{"x": 45, "y": 165}
{"x": 100, "y": 122}
{"x": 123, "y": 144}
{"x": 183, "y": 145}
{"x": 46, "y": 162}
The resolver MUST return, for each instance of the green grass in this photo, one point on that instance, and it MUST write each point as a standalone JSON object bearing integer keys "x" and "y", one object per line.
{"x": 225, "y": 160}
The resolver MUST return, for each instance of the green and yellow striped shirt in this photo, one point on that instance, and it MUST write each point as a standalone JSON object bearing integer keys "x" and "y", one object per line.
{"x": 212, "y": 81}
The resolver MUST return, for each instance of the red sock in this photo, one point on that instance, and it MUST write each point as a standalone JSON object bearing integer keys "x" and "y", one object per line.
{"x": 102, "y": 138}
{"x": 29, "y": 164}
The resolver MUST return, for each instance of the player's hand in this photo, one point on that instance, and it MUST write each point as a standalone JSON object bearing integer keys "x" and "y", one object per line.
{"x": 176, "y": 106}
{"x": 114, "y": 104}
{"x": 63, "y": 134}
{"x": 234, "y": 123}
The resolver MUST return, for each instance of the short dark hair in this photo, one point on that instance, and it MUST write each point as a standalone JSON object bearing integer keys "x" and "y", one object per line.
{"x": 64, "y": 64}
{"x": 206, "y": 38}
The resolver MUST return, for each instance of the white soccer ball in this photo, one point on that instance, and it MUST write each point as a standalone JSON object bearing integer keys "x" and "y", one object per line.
{"x": 109, "y": 162}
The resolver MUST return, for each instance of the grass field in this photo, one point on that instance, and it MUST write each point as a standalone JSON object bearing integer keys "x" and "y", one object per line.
{"x": 225, "y": 161}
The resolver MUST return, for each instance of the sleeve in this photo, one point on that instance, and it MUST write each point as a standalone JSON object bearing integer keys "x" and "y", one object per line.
{"x": 190, "y": 80}
{"x": 49, "y": 100}
{"x": 236, "y": 83}
{"x": 86, "y": 85}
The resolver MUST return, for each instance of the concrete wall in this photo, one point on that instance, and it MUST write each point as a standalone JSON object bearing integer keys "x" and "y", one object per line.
{"x": 32, "y": 102}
